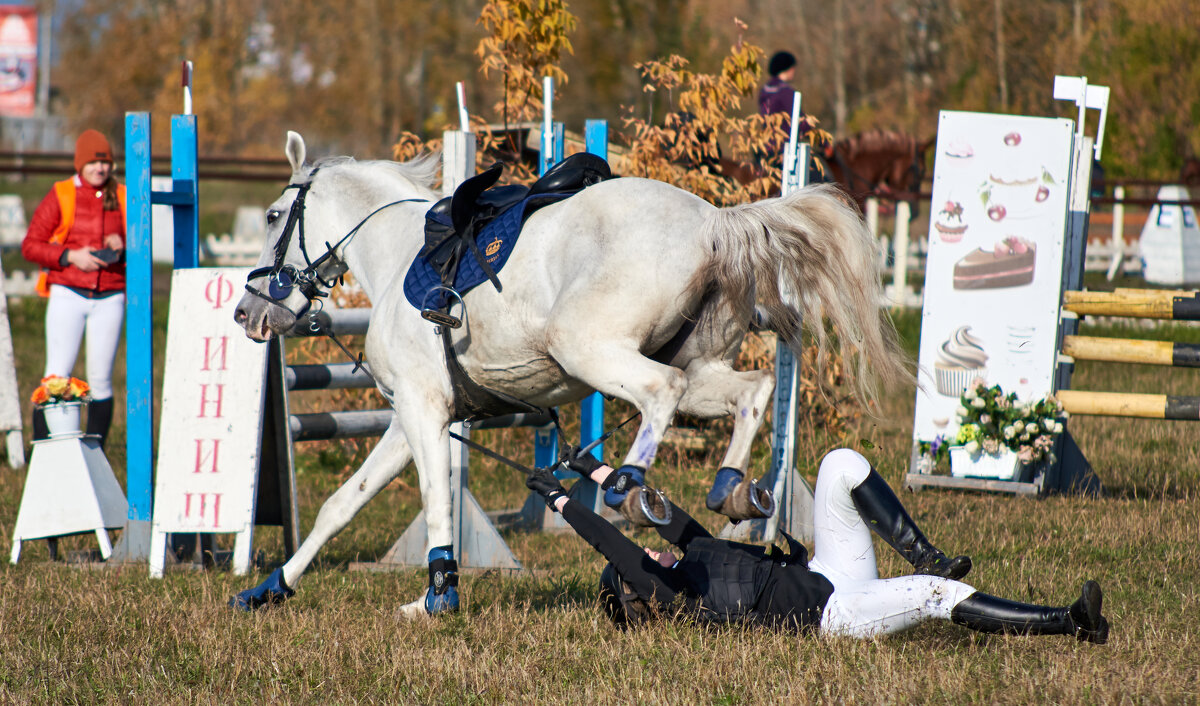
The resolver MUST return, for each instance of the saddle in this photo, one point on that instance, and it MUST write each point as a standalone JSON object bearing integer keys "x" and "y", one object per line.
{"x": 443, "y": 271}
{"x": 454, "y": 224}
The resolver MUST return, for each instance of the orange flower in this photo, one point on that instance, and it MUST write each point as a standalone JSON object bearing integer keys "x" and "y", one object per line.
{"x": 78, "y": 388}
{"x": 59, "y": 389}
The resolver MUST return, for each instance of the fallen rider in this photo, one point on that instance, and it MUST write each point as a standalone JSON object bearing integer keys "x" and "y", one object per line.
{"x": 838, "y": 592}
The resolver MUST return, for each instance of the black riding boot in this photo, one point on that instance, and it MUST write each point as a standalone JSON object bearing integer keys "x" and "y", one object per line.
{"x": 99, "y": 419}
{"x": 883, "y": 513}
{"x": 985, "y": 613}
{"x": 40, "y": 431}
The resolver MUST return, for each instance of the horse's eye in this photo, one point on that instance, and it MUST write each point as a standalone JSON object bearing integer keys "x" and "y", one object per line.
{"x": 272, "y": 216}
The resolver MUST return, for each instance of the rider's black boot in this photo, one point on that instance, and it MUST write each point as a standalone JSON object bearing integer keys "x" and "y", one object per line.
{"x": 985, "y": 613}
{"x": 40, "y": 430}
{"x": 883, "y": 513}
{"x": 99, "y": 419}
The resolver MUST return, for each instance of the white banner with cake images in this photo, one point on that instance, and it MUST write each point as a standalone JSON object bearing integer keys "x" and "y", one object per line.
{"x": 994, "y": 271}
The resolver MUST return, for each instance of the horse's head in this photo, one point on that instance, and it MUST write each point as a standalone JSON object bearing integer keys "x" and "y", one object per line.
{"x": 291, "y": 273}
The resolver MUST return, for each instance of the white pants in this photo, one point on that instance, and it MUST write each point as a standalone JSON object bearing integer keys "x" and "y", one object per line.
{"x": 862, "y": 604}
{"x": 68, "y": 315}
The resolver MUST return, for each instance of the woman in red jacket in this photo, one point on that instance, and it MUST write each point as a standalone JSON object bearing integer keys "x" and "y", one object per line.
{"x": 77, "y": 236}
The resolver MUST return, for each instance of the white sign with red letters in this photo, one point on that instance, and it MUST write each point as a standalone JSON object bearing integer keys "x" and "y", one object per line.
{"x": 211, "y": 428}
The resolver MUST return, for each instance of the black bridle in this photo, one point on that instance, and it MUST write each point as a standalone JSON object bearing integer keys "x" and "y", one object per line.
{"x": 320, "y": 275}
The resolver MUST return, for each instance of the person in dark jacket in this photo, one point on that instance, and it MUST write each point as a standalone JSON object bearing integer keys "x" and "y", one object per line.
{"x": 77, "y": 236}
{"x": 837, "y": 592}
{"x": 777, "y": 96}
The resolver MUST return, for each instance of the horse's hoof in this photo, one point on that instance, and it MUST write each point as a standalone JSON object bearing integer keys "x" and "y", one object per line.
{"x": 272, "y": 591}
{"x": 646, "y": 507}
{"x": 412, "y": 611}
{"x": 739, "y": 498}
{"x": 445, "y": 602}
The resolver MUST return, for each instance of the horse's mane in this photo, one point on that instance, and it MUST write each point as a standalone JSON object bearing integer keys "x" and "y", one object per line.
{"x": 422, "y": 170}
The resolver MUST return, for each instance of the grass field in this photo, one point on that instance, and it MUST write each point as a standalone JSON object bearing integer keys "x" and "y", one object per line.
{"x": 70, "y": 634}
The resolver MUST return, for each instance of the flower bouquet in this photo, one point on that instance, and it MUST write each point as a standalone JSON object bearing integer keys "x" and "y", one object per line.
{"x": 60, "y": 398}
{"x": 998, "y": 431}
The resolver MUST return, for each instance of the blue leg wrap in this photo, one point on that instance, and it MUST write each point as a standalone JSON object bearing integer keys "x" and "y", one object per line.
{"x": 625, "y": 479}
{"x": 727, "y": 479}
{"x": 442, "y": 595}
{"x": 269, "y": 592}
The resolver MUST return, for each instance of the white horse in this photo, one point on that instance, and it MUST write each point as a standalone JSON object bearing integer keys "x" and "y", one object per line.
{"x": 595, "y": 287}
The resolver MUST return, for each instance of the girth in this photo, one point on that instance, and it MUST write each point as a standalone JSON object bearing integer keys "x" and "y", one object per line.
{"x": 474, "y": 401}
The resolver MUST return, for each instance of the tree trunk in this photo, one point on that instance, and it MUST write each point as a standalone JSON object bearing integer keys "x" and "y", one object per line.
{"x": 839, "y": 67}
{"x": 1001, "y": 72}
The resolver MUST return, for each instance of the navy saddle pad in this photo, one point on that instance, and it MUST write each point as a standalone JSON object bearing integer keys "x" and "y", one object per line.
{"x": 495, "y": 242}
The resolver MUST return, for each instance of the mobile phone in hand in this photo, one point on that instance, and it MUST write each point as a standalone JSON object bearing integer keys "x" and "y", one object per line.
{"x": 107, "y": 255}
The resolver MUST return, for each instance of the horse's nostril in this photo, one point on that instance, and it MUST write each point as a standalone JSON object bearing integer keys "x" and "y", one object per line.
{"x": 240, "y": 315}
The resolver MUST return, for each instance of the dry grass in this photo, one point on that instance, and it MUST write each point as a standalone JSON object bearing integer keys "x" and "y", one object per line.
{"x": 115, "y": 636}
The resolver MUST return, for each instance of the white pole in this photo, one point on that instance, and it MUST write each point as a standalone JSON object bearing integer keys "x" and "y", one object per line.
{"x": 789, "y": 180}
{"x": 464, "y": 122}
{"x": 873, "y": 215}
{"x": 900, "y": 273}
{"x": 547, "y": 124}
{"x": 187, "y": 88}
{"x": 1118, "y": 234}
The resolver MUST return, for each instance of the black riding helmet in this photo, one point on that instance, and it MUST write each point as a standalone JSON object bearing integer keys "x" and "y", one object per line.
{"x": 621, "y": 604}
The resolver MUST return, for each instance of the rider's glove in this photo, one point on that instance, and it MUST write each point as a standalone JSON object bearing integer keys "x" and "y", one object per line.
{"x": 543, "y": 482}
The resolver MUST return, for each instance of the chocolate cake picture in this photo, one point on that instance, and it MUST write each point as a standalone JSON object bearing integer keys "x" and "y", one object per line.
{"x": 1009, "y": 264}
{"x": 949, "y": 222}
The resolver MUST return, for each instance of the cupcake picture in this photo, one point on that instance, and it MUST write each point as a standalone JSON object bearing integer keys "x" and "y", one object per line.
{"x": 960, "y": 359}
{"x": 949, "y": 222}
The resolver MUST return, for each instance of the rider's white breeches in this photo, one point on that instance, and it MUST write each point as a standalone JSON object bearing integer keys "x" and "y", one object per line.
{"x": 862, "y": 604}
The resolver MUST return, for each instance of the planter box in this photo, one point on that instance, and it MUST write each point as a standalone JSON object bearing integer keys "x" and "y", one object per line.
{"x": 1002, "y": 465}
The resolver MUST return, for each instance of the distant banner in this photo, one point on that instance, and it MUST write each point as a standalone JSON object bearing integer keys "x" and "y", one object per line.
{"x": 18, "y": 60}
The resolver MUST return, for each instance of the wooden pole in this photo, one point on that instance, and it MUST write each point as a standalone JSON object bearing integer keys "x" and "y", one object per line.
{"x": 1124, "y": 350}
{"x": 1122, "y": 404}
{"x": 1141, "y": 303}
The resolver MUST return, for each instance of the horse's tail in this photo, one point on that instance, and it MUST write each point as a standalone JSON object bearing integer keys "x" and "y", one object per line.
{"x": 810, "y": 256}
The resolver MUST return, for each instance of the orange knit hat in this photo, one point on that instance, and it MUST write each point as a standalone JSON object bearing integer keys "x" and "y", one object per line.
{"x": 92, "y": 146}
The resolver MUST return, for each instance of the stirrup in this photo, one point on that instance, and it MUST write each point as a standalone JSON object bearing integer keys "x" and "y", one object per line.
{"x": 438, "y": 317}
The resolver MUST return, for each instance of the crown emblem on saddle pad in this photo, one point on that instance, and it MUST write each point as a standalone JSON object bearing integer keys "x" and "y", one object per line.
{"x": 492, "y": 248}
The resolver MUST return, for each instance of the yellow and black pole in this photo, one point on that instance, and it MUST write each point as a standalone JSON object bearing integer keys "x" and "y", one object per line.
{"x": 1126, "y": 350}
{"x": 1122, "y": 404}
{"x": 1142, "y": 303}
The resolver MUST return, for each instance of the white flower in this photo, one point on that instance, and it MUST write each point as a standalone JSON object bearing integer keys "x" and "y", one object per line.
{"x": 1058, "y": 427}
{"x": 1018, "y": 426}
{"x": 972, "y": 447}
{"x": 1032, "y": 428}
{"x": 978, "y": 403}
{"x": 962, "y": 412}
{"x": 985, "y": 418}
{"x": 1009, "y": 432}
{"x": 970, "y": 394}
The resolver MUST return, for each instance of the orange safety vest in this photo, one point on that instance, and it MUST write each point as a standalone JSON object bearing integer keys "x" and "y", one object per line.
{"x": 65, "y": 191}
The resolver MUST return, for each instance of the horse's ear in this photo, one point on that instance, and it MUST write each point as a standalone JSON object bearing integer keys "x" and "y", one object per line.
{"x": 295, "y": 151}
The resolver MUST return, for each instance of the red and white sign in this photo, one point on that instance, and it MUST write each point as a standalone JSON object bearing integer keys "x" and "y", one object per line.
{"x": 18, "y": 60}
{"x": 209, "y": 437}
